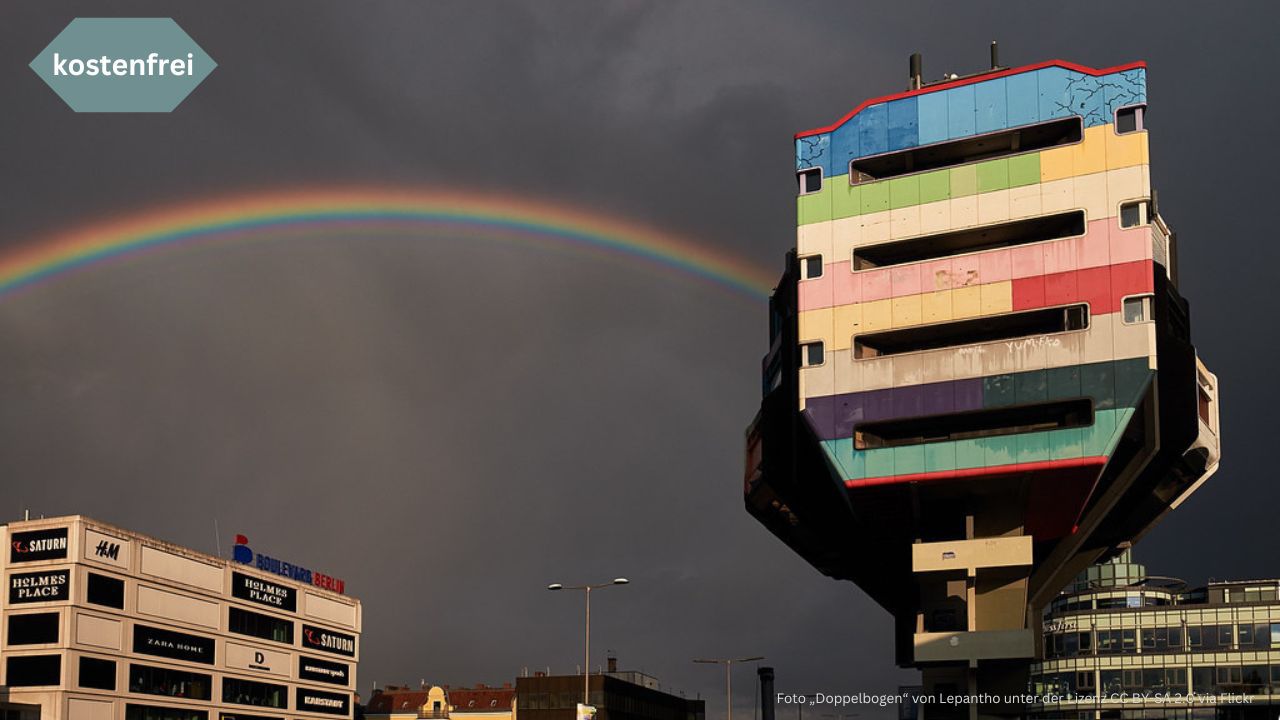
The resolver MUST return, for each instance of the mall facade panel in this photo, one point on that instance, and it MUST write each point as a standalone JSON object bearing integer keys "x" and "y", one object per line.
{"x": 101, "y": 623}
{"x": 980, "y": 377}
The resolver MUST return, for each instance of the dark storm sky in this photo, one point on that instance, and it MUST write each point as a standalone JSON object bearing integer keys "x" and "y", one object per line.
{"x": 452, "y": 423}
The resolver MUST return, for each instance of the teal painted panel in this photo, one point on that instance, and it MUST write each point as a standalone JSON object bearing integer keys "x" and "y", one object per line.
{"x": 1097, "y": 437}
{"x": 1000, "y": 450}
{"x": 1031, "y": 387}
{"x": 1033, "y": 447}
{"x": 940, "y": 457}
{"x": 970, "y": 454}
{"x": 908, "y": 459}
{"x": 1131, "y": 382}
{"x": 1122, "y": 421}
{"x": 998, "y": 391}
{"x": 879, "y": 462}
{"x": 1064, "y": 383}
{"x": 1097, "y": 380}
{"x": 1066, "y": 444}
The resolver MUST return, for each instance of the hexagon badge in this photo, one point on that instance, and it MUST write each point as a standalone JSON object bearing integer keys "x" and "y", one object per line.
{"x": 123, "y": 65}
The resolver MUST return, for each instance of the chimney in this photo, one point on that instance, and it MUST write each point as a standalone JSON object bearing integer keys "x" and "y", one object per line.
{"x": 506, "y": 686}
{"x": 539, "y": 673}
{"x": 613, "y": 664}
{"x": 916, "y": 72}
{"x": 766, "y": 693}
{"x": 995, "y": 56}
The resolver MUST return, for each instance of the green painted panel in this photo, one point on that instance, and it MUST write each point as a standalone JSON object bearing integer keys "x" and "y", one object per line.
{"x": 846, "y": 199}
{"x": 1033, "y": 447}
{"x": 908, "y": 459}
{"x": 939, "y": 456}
{"x": 935, "y": 186}
{"x": 1064, "y": 382}
{"x": 875, "y": 196}
{"x": 815, "y": 207}
{"x": 998, "y": 391}
{"x": 904, "y": 192}
{"x": 1066, "y": 444}
{"x": 993, "y": 175}
{"x": 1031, "y": 387}
{"x": 964, "y": 181}
{"x": 1024, "y": 169}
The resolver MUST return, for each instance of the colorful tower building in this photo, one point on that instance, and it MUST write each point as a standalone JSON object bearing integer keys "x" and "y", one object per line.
{"x": 980, "y": 377}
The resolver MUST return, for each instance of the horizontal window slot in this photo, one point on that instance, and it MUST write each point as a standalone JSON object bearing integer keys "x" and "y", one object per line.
{"x": 971, "y": 332}
{"x": 972, "y": 149}
{"x": 1055, "y": 415}
{"x": 989, "y": 237}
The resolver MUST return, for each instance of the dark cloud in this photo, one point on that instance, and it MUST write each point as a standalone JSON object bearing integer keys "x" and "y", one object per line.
{"x": 452, "y": 422}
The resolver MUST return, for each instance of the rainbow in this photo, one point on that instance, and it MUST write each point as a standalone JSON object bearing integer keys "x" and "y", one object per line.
{"x": 272, "y": 214}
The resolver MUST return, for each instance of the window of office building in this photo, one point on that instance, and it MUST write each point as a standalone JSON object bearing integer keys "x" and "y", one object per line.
{"x": 97, "y": 674}
{"x": 1131, "y": 119}
{"x": 266, "y": 627}
{"x": 811, "y": 354}
{"x": 811, "y": 267}
{"x": 810, "y": 180}
{"x": 1133, "y": 214}
{"x": 34, "y": 629}
{"x": 1138, "y": 309}
{"x": 153, "y": 712}
{"x": 247, "y": 692}
{"x": 150, "y": 680}
{"x": 33, "y": 670}
{"x": 105, "y": 591}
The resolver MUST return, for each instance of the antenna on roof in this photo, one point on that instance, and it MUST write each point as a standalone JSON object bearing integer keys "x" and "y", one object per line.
{"x": 995, "y": 55}
{"x": 917, "y": 64}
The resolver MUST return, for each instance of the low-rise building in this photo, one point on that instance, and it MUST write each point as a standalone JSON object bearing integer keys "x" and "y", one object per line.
{"x": 616, "y": 695}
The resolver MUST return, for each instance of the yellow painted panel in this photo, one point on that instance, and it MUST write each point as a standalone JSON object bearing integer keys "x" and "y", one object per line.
{"x": 1091, "y": 194}
{"x": 1056, "y": 164}
{"x": 1090, "y": 156}
{"x": 876, "y": 315}
{"x": 935, "y": 306}
{"x": 906, "y": 311}
{"x": 1125, "y": 150}
{"x": 966, "y": 302}
{"x": 815, "y": 325}
{"x": 846, "y": 322}
{"x": 815, "y": 239}
{"x": 996, "y": 297}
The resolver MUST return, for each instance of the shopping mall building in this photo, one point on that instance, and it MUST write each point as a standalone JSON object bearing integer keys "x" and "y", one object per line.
{"x": 100, "y": 623}
{"x": 1120, "y": 643}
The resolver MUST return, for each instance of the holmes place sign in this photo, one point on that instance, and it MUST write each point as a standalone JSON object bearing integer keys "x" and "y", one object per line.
{"x": 257, "y": 590}
{"x": 38, "y": 545}
{"x": 167, "y": 643}
{"x": 51, "y": 586}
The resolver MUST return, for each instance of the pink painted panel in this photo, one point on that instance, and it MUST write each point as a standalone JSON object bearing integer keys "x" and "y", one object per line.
{"x": 996, "y": 265}
{"x": 1129, "y": 245}
{"x": 876, "y": 285}
{"x": 936, "y": 275}
{"x": 1027, "y": 261}
{"x": 1095, "y": 247}
{"x": 815, "y": 293}
{"x": 905, "y": 279}
{"x": 1060, "y": 256}
{"x": 966, "y": 270}
{"x": 846, "y": 285}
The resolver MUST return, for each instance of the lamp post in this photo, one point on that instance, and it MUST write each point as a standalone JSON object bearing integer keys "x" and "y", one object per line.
{"x": 586, "y": 663}
{"x": 728, "y": 676}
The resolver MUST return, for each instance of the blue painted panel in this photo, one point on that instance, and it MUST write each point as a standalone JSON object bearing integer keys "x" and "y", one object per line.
{"x": 1122, "y": 89}
{"x": 932, "y": 109}
{"x": 873, "y": 129}
{"x": 814, "y": 151}
{"x": 1054, "y": 99}
{"x": 1022, "y": 95}
{"x": 992, "y": 111}
{"x": 903, "y": 124}
{"x": 844, "y": 147}
{"x": 961, "y": 112}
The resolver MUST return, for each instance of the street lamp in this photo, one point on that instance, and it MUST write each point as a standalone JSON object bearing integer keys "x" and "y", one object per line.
{"x": 728, "y": 676}
{"x": 586, "y": 663}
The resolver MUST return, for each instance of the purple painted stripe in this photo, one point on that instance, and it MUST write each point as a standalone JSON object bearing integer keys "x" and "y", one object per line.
{"x": 833, "y": 416}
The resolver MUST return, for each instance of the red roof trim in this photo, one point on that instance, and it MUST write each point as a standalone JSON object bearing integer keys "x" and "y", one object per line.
{"x": 969, "y": 81}
{"x": 977, "y": 472}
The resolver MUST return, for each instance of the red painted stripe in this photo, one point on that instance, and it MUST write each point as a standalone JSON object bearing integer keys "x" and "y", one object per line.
{"x": 969, "y": 81}
{"x": 977, "y": 472}
{"x": 1102, "y": 287}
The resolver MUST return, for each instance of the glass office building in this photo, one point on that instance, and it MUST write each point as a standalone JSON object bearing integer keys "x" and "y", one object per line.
{"x": 1120, "y": 643}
